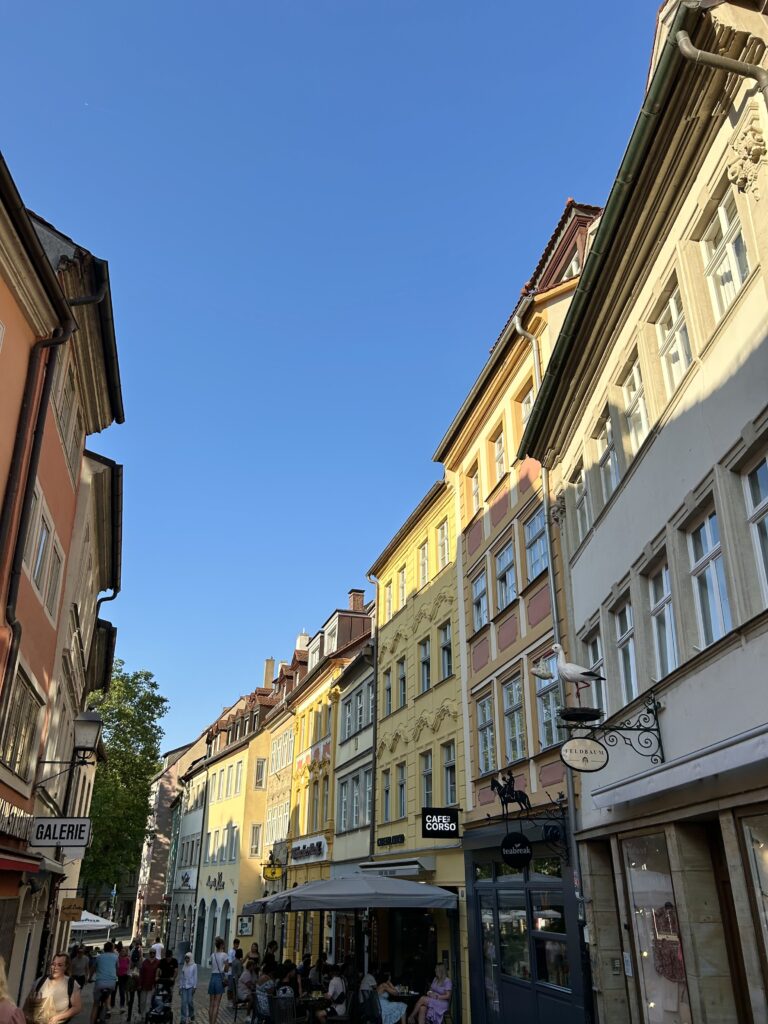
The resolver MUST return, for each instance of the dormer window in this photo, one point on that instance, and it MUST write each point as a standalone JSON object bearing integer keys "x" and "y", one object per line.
{"x": 573, "y": 266}
{"x": 330, "y": 641}
{"x": 314, "y": 655}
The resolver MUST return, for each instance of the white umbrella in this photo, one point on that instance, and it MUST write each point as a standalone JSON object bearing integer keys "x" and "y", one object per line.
{"x": 91, "y": 923}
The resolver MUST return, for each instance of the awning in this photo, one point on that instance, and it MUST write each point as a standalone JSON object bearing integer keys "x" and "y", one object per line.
{"x": 355, "y": 892}
{"x": 19, "y": 863}
{"x": 256, "y": 907}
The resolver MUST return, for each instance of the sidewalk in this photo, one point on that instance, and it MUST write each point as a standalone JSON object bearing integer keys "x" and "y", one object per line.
{"x": 226, "y": 1011}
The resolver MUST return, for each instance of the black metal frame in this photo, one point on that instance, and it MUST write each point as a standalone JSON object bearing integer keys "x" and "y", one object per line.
{"x": 640, "y": 731}
{"x": 551, "y": 818}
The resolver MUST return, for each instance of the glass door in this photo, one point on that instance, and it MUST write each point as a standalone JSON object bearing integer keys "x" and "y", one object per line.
{"x": 490, "y": 963}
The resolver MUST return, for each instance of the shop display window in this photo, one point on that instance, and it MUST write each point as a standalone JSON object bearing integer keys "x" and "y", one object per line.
{"x": 659, "y": 952}
{"x": 513, "y": 935}
{"x": 756, "y": 835}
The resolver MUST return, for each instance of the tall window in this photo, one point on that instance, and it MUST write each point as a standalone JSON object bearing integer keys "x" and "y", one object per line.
{"x": 526, "y": 405}
{"x": 635, "y": 411}
{"x": 594, "y": 648}
{"x": 663, "y": 621}
{"x": 547, "y": 699}
{"x": 371, "y": 703}
{"x": 20, "y": 727}
{"x": 514, "y": 719}
{"x": 607, "y": 461}
{"x": 230, "y": 772}
{"x": 498, "y": 455}
{"x": 506, "y": 587}
{"x": 442, "y": 544}
{"x": 344, "y": 806}
{"x": 708, "y": 575}
{"x": 536, "y": 544}
{"x": 401, "y": 593}
{"x": 449, "y": 772}
{"x": 757, "y": 508}
{"x": 220, "y": 793}
{"x": 386, "y": 809}
{"x": 234, "y": 836}
{"x": 367, "y": 795}
{"x": 725, "y": 255}
{"x": 238, "y": 777}
{"x": 326, "y": 792}
{"x": 260, "y": 773}
{"x": 424, "y": 664}
{"x": 255, "y": 848}
{"x": 426, "y": 779}
{"x": 347, "y": 718}
{"x": 359, "y": 711}
{"x": 215, "y": 853}
{"x": 674, "y": 346}
{"x": 474, "y": 488}
{"x": 402, "y": 683}
{"x": 388, "y": 692}
{"x": 402, "y": 805}
{"x": 388, "y": 602}
{"x": 479, "y": 601}
{"x": 355, "y": 802}
{"x": 424, "y": 563}
{"x": 581, "y": 502}
{"x": 446, "y": 650}
{"x": 625, "y": 645}
{"x": 208, "y": 851}
{"x": 486, "y": 753}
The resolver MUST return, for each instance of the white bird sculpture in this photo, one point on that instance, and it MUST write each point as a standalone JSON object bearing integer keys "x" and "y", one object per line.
{"x": 579, "y": 676}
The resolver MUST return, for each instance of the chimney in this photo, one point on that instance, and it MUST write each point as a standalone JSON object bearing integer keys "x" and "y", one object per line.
{"x": 302, "y": 641}
{"x": 269, "y": 671}
{"x": 356, "y": 599}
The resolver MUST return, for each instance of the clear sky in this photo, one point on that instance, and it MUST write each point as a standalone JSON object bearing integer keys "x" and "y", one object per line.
{"x": 318, "y": 215}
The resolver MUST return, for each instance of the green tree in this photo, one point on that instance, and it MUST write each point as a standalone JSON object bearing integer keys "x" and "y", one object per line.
{"x": 131, "y": 709}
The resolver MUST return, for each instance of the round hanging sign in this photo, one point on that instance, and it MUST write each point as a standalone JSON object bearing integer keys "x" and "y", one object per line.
{"x": 272, "y": 872}
{"x": 516, "y": 850}
{"x": 584, "y": 755}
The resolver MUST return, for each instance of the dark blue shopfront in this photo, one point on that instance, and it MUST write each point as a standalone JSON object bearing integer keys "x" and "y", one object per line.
{"x": 525, "y": 938}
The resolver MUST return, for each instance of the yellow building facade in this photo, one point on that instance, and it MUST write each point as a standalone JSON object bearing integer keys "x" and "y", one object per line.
{"x": 420, "y": 758}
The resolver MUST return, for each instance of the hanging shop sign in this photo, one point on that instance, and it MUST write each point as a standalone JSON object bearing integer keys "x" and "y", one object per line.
{"x": 71, "y": 909}
{"x": 272, "y": 872}
{"x": 516, "y": 850}
{"x": 439, "y": 822}
{"x": 14, "y": 821}
{"x": 584, "y": 754}
{"x": 60, "y": 832}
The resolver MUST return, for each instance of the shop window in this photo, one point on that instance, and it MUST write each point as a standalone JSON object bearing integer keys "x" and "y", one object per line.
{"x": 756, "y": 835}
{"x": 546, "y": 867}
{"x": 514, "y": 951}
{"x": 483, "y": 872}
{"x": 660, "y": 964}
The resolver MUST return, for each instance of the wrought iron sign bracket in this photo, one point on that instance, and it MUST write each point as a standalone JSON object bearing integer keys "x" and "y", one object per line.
{"x": 551, "y": 818}
{"x": 640, "y": 731}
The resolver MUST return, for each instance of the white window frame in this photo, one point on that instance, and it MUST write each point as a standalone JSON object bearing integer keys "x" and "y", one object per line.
{"x": 388, "y": 692}
{"x": 45, "y": 567}
{"x": 514, "y": 718}
{"x": 446, "y": 650}
{"x": 425, "y": 664}
{"x": 255, "y": 847}
{"x": 238, "y": 777}
{"x": 402, "y": 791}
{"x": 402, "y": 594}
{"x": 359, "y": 710}
{"x": 499, "y": 461}
{"x": 593, "y": 646}
{"x": 367, "y": 795}
{"x": 388, "y": 601}
{"x": 424, "y": 563}
{"x": 402, "y": 683}
{"x": 260, "y": 773}
{"x": 607, "y": 459}
{"x": 548, "y": 697}
{"x": 450, "y": 787}
{"x": 709, "y": 567}
{"x": 526, "y": 406}
{"x": 581, "y": 501}
{"x": 443, "y": 546}
{"x": 480, "y": 600}
{"x": 427, "y": 779}
{"x": 728, "y": 255}
{"x": 573, "y": 266}
{"x": 536, "y": 553}
{"x": 234, "y": 836}
{"x": 662, "y": 619}
{"x": 20, "y": 729}
{"x": 474, "y": 488}
{"x": 674, "y": 343}
{"x": 343, "y": 805}
{"x": 506, "y": 582}
{"x": 486, "y": 739}
{"x": 635, "y": 408}
{"x": 624, "y": 622}
{"x": 757, "y": 515}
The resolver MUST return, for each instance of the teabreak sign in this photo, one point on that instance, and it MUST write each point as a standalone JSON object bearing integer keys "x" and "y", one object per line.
{"x": 584, "y": 754}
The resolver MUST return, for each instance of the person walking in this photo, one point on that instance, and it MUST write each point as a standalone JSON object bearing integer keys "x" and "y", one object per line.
{"x": 55, "y": 997}
{"x": 218, "y": 963}
{"x": 123, "y": 972}
{"x": 9, "y": 1011}
{"x": 158, "y": 947}
{"x": 104, "y": 978}
{"x": 187, "y": 986}
{"x": 131, "y": 988}
{"x": 80, "y": 966}
{"x": 147, "y": 978}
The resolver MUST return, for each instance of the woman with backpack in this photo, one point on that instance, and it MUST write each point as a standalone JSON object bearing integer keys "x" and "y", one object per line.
{"x": 55, "y": 997}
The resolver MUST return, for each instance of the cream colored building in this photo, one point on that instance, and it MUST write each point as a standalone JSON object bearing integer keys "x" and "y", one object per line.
{"x": 653, "y": 419}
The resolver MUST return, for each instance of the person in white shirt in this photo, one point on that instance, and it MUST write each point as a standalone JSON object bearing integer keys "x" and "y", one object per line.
{"x": 187, "y": 986}
{"x": 233, "y": 952}
{"x": 158, "y": 947}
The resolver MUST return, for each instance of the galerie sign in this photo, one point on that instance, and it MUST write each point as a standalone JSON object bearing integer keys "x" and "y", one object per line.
{"x": 439, "y": 822}
{"x": 584, "y": 754}
{"x": 60, "y": 832}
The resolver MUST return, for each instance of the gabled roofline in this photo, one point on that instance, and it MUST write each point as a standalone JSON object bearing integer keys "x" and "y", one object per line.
{"x": 429, "y": 499}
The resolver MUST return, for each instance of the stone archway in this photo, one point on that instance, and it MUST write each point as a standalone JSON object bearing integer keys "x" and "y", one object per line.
{"x": 199, "y": 932}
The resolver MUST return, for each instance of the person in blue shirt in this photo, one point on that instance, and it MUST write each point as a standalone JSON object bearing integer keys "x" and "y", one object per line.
{"x": 104, "y": 977}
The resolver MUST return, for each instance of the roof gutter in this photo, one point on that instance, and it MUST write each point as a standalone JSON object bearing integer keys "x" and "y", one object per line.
{"x": 639, "y": 143}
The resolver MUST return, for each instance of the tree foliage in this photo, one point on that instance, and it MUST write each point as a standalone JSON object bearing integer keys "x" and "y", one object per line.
{"x": 131, "y": 709}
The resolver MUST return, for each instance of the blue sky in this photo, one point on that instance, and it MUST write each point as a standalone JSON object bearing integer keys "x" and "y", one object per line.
{"x": 318, "y": 215}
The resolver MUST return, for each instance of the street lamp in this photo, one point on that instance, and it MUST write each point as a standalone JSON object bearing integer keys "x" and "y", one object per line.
{"x": 88, "y": 726}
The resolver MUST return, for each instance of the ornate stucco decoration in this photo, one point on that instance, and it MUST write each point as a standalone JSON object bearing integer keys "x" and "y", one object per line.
{"x": 557, "y": 509}
{"x": 334, "y": 695}
{"x": 394, "y": 643}
{"x": 749, "y": 152}
{"x": 447, "y": 710}
{"x": 391, "y": 742}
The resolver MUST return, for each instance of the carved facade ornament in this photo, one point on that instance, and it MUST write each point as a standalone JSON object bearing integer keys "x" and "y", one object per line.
{"x": 447, "y": 710}
{"x": 399, "y": 635}
{"x": 557, "y": 509}
{"x": 334, "y": 695}
{"x": 749, "y": 153}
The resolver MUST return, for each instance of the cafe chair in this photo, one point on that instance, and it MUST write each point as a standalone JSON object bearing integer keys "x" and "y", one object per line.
{"x": 369, "y": 1008}
{"x": 282, "y": 1010}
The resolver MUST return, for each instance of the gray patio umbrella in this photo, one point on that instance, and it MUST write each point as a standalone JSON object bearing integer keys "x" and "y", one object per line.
{"x": 354, "y": 892}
